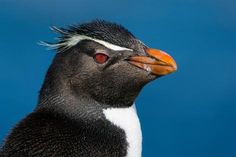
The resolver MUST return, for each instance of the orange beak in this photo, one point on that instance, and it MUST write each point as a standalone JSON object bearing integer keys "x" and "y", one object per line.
{"x": 157, "y": 62}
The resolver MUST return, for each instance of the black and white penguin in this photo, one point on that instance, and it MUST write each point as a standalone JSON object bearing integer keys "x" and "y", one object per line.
{"x": 86, "y": 104}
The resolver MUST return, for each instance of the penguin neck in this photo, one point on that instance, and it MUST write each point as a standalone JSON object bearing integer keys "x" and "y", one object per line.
{"x": 58, "y": 97}
{"x": 73, "y": 107}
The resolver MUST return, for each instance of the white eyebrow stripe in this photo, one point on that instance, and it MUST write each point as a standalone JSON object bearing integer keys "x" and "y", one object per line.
{"x": 75, "y": 39}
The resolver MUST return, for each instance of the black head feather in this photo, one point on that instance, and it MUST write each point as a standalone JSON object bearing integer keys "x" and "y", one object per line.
{"x": 97, "y": 29}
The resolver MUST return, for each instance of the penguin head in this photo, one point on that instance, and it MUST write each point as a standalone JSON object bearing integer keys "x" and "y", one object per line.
{"x": 105, "y": 62}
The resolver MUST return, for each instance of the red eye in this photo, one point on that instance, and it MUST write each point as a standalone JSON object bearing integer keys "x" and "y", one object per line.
{"x": 101, "y": 58}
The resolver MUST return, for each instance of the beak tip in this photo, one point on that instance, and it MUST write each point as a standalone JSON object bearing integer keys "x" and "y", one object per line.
{"x": 175, "y": 66}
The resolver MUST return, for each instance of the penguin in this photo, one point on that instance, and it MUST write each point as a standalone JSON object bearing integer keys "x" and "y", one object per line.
{"x": 86, "y": 103}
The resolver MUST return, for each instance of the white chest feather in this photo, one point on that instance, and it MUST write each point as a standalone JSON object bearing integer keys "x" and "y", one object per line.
{"x": 127, "y": 119}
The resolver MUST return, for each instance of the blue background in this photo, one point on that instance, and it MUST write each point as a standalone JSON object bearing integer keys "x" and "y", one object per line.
{"x": 190, "y": 113}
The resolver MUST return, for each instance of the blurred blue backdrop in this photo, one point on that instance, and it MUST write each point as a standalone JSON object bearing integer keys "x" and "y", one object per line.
{"x": 190, "y": 113}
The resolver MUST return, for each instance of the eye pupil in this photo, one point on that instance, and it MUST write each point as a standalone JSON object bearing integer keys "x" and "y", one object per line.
{"x": 101, "y": 58}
